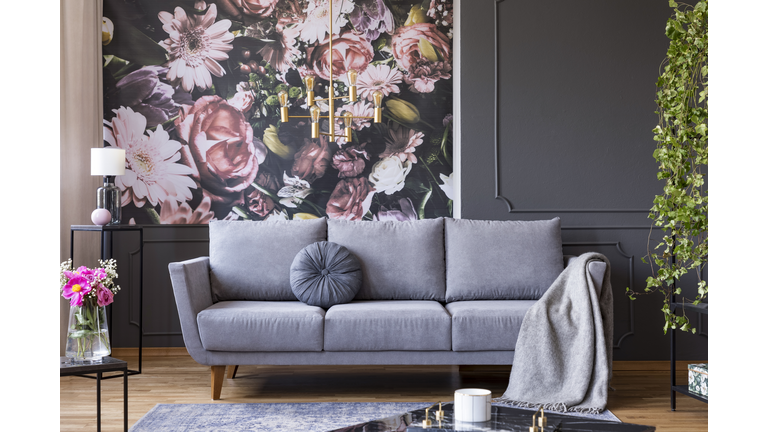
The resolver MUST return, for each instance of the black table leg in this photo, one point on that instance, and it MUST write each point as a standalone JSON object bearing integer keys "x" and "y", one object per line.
{"x": 125, "y": 400}
{"x": 98, "y": 402}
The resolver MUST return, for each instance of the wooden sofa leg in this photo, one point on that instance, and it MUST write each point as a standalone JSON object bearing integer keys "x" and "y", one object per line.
{"x": 231, "y": 371}
{"x": 217, "y": 379}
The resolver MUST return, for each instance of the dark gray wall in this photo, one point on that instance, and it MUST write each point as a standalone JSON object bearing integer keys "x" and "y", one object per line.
{"x": 576, "y": 93}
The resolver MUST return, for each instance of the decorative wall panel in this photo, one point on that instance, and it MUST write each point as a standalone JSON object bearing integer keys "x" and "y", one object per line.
{"x": 191, "y": 93}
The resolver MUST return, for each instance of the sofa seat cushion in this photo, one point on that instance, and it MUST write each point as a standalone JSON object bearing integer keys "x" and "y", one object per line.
{"x": 400, "y": 260}
{"x": 261, "y": 326}
{"x": 392, "y": 325}
{"x": 251, "y": 260}
{"x": 486, "y": 325}
{"x": 501, "y": 260}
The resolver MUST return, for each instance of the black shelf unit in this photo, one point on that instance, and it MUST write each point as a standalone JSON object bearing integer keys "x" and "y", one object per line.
{"x": 683, "y": 389}
{"x": 106, "y": 254}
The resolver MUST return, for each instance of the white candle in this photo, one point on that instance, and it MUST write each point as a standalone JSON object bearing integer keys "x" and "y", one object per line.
{"x": 472, "y": 405}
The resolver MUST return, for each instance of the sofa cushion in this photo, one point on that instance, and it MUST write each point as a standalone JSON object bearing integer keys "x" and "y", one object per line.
{"x": 251, "y": 260}
{"x": 486, "y": 325}
{"x": 390, "y": 325}
{"x": 261, "y": 326}
{"x": 400, "y": 260}
{"x": 324, "y": 274}
{"x": 501, "y": 260}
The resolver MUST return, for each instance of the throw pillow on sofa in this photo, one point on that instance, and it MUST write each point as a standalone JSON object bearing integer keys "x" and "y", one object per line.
{"x": 501, "y": 260}
{"x": 324, "y": 274}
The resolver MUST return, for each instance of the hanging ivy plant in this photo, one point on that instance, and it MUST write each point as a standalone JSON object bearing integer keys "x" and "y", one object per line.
{"x": 681, "y": 151}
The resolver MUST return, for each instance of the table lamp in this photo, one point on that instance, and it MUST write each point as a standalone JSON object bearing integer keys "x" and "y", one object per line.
{"x": 108, "y": 162}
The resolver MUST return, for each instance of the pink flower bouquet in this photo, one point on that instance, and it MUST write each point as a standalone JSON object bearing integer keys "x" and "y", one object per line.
{"x": 88, "y": 292}
{"x": 89, "y": 285}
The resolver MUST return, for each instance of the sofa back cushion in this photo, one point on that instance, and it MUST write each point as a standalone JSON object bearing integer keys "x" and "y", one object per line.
{"x": 400, "y": 260}
{"x": 501, "y": 260}
{"x": 251, "y": 260}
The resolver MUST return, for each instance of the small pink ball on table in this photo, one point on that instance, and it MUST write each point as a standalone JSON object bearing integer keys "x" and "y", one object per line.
{"x": 101, "y": 216}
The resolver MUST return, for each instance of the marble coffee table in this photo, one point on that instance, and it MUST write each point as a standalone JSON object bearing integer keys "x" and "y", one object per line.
{"x": 503, "y": 419}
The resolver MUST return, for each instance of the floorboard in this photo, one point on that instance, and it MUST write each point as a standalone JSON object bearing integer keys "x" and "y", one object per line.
{"x": 641, "y": 396}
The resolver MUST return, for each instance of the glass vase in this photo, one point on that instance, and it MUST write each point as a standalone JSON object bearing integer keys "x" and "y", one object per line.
{"x": 87, "y": 335}
{"x": 108, "y": 197}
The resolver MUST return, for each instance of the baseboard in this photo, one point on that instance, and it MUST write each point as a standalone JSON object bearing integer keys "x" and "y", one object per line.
{"x": 652, "y": 365}
{"x": 619, "y": 365}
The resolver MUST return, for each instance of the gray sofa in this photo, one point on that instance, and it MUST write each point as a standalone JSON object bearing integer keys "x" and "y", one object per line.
{"x": 438, "y": 291}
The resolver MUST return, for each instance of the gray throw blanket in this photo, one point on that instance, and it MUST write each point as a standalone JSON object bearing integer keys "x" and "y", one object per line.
{"x": 564, "y": 354}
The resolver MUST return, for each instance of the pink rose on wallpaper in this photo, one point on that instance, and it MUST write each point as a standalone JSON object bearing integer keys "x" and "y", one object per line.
{"x": 351, "y": 199}
{"x": 350, "y": 161}
{"x": 251, "y": 8}
{"x": 222, "y": 145}
{"x": 312, "y": 159}
{"x": 257, "y": 201}
{"x": 424, "y": 73}
{"x": 350, "y": 51}
{"x": 424, "y": 53}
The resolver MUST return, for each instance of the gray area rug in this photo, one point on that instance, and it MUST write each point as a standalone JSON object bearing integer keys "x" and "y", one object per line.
{"x": 273, "y": 417}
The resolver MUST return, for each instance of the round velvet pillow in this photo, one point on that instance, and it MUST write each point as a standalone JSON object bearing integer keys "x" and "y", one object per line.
{"x": 324, "y": 274}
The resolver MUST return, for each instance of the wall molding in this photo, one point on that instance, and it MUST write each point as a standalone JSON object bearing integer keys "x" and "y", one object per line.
{"x": 499, "y": 194}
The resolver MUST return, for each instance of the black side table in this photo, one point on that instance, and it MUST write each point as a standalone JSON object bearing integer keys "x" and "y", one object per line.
{"x": 111, "y": 229}
{"x": 683, "y": 389}
{"x": 108, "y": 364}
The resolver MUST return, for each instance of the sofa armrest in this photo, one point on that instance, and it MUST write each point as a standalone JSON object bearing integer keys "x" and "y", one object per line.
{"x": 192, "y": 289}
{"x": 596, "y": 271}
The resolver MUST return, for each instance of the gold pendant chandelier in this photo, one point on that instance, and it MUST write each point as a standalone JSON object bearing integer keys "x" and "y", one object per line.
{"x": 314, "y": 110}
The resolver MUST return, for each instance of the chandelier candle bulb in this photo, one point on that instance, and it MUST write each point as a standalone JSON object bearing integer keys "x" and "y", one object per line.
{"x": 377, "y": 98}
{"x": 282, "y": 96}
{"x": 314, "y": 115}
{"x": 310, "y": 82}
{"x": 352, "y": 78}
{"x": 348, "y": 126}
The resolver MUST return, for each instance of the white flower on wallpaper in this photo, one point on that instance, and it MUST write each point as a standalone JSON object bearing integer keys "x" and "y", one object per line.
{"x": 152, "y": 173}
{"x": 195, "y": 45}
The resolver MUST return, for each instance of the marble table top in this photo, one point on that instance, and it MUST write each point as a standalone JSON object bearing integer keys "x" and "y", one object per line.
{"x": 503, "y": 419}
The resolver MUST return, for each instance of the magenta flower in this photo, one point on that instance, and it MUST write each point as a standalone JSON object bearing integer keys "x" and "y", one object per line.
{"x": 86, "y": 273}
{"x": 75, "y": 290}
{"x": 104, "y": 296}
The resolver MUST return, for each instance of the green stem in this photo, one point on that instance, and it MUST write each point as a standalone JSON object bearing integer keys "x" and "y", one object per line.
{"x": 165, "y": 123}
{"x": 152, "y": 213}
{"x": 258, "y": 187}
{"x": 433, "y": 177}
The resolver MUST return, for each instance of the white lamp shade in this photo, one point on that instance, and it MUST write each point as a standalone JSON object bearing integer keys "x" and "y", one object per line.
{"x": 107, "y": 161}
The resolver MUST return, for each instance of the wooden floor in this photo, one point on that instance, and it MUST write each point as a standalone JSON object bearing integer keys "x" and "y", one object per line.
{"x": 641, "y": 396}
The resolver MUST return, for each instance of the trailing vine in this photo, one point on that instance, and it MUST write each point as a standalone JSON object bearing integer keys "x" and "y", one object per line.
{"x": 681, "y": 151}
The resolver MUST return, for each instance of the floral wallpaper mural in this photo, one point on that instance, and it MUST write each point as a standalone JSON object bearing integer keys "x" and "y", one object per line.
{"x": 191, "y": 93}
